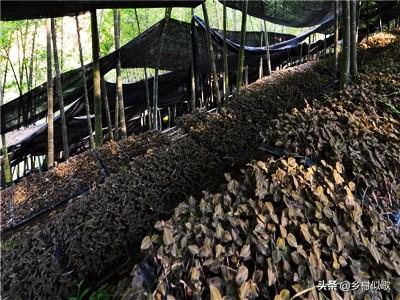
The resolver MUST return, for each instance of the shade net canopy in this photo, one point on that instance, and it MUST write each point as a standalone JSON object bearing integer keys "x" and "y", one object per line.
{"x": 141, "y": 52}
{"x": 19, "y": 10}
{"x": 182, "y": 41}
{"x": 287, "y": 13}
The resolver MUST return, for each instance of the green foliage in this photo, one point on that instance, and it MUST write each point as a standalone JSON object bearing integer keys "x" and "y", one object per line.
{"x": 105, "y": 292}
{"x": 80, "y": 294}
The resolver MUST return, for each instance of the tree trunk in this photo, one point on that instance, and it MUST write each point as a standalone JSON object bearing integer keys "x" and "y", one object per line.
{"x": 345, "y": 67}
{"x": 212, "y": 58}
{"x": 120, "y": 94}
{"x": 107, "y": 108}
{"x": 155, "y": 78}
{"x": 269, "y": 70}
{"x": 30, "y": 75}
{"x": 225, "y": 54}
{"x": 336, "y": 47}
{"x": 6, "y": 161}
{"x": 146, "y": 81}
{"x": 50, "y": 114}
{"x": 353, "y": 29}
{"x": 96, "y": 80}
{"x": 241, "y": 51}
{"x": 64, "y": 132}
{"x": 85, "y": 90}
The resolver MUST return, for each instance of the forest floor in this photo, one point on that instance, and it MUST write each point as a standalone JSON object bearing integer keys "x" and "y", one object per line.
{"x": 350, "y": 138}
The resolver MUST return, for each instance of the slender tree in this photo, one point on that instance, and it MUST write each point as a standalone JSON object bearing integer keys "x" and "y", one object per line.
{"x": 6, "y": 162}
{"x": 241, "y": 51}
{"x": 120, "y": 94}
{"x": 96, "y": 80}
{"x": 107, "y": 108}
{"x": 32, "y": 58}
{"x": 155, "y": 78}
{"x": 336, "y": 47}
{"x": 50, "y": 113}
{"x": 146, "y": 81}
{"x": 225, "y": 55}
{"x": 269, "y": 69}
{"x": 64, "y": 132}
{"x": 212, "y": 59}
{"x": 353, "y": 30}
{"x": 345, "y": 64}
{"x": 85, "y": 90}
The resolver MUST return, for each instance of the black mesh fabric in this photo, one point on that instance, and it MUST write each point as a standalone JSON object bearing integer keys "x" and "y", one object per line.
{"x": 138, "y": 53}
{"x": 174, "y": 87}
{"x": 287, "y": 13}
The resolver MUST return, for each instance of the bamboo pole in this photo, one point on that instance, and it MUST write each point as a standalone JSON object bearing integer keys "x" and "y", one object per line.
{"x": 353, "y": 38}
{"x": 268, "y": 52}
{"x": 155, "y": 78}
{"x": 345, "y": 65}
{"x": 241, "y": 50}
{"x": 96, "y": 80}
{"x": 85, "y": 90}
{"x": 146, "y": 81}
{"x": 64, "y": 132}
{"x": 225, "y": 54}
{"x": 50, "y": 112}
{"x": 336, "y": 47}
{"x": 6, "y": 161}
{"x": 214, "y": 82}
{"x": 120, "y": 94}
{"x": 107, "y": 108}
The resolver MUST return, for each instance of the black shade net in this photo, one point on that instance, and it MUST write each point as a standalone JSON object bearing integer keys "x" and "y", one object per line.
{"x": 288, "y": 13}
{"x": 182, "y": 40}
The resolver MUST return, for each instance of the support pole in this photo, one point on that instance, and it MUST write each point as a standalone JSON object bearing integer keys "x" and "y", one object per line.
{"x": 64, "y": 132}
{"x": 107, "y": 108}
{"x": 120, "y": 93}
{"x": 85, "y": 90}
{"x": 157, "y": 124}
{"x": 336, "y": 47}
{"x": 269, "y": 70}
{"x": 345, "y": 65}
{"x": 214, "y": 82}
{"x": 353, "y": 38}
{"x": 96, "y": 80}
{"x": 241, "y": 50}
{"x": 50, "y": 100}
{"x": 146, "y": 81}
{"x": 225, "y": 55}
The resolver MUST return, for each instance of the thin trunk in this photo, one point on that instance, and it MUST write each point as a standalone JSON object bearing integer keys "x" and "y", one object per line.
{"x": 107, "y": 108}
{"x": 6, "y": 161}
{"x": 225, "y": 54}
{"x": 30, "y": 75}
{"x": 353, "y": 29}
{"x": 336, "y": 47}
{"x": 192, "y": 73}
{"x": 62, "y": 45}
{"x": 269, "y": 69}
{"x": 64, "y": 132}
{"x": 120, "y": 94}
{"x": 146, "y": 81}
{"x": 96, "y": 80}
{"x": 241, "y": 51}
{"x": 345, "y": 72}
{"x": 85, "y": 90}
{"x": 261, "y": 69}
{"x": 50, "y": 114}
{"x": 155, "y": 78}
{"x": 13, "y": 70}
{"x": 212, "y": 58}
